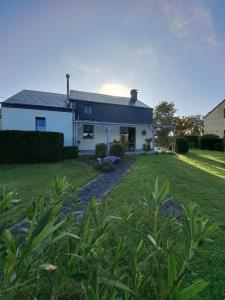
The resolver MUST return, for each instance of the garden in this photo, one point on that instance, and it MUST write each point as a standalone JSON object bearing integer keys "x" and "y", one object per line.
{"x": 122, "y": 247}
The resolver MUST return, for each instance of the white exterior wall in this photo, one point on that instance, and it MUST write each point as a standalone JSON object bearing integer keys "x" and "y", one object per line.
{"x": 114, "y": 134}
{"x": 214, "y": 123}
{"x": 24, "y": 119}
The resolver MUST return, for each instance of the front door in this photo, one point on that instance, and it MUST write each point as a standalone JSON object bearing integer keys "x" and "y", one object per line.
{"x": 127, "y": 138}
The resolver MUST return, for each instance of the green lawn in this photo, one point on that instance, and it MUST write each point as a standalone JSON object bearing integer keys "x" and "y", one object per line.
{"x": 31, "y": 180}
{"x": 198, "y": 177}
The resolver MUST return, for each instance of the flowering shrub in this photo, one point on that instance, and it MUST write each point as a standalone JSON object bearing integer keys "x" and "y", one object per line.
{"x": 112, "y": 159}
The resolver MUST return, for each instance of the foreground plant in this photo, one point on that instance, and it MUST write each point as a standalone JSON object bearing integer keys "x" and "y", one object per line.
{"x": 125, "y": 253}
{"x": 22, "y": 255}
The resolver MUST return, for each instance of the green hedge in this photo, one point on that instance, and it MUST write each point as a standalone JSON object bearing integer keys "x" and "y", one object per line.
{"x": 30, "y": 146}
{"x": 70, "y": 152}
{"x": 117, "y": 149}
{"x": 210, "y": 142}
{"x": 181, "y": 145}
{"x": 193, "y": 140}
{"x": 100, "y": 150}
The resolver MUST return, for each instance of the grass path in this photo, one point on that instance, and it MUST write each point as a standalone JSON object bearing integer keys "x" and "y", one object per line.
{"x": 198, "y": 177}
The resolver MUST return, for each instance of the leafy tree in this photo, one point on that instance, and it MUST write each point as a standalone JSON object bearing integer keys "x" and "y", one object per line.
{"x": 164, "y": 115}
{"x": 189, "y": 125}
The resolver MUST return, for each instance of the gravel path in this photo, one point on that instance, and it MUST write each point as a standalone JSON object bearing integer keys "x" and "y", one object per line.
{"x": 97, "y": 188}
{"x": 103, "y": 184}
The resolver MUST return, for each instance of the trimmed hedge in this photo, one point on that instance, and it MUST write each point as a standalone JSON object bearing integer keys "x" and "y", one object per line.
{"x": 218, "y": 147}
{"x": 117, "y": 149}
{"x": 193, "y": 140}
{"x": 30, "y": 146}
{"x": 209, "y": 141}
{"x": 70, "y": 152}
{"x": 181, "y": 145}
{"x": 100, "y": 150}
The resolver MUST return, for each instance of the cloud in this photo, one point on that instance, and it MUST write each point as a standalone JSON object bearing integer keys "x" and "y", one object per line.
{"x": 144, "y": 55}
{"x": 115, "y": 89}
{"x": 189, "y": 20}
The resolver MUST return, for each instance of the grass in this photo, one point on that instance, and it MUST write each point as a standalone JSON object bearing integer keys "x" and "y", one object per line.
{"x": 32, "y": 180}
{"x": 197, "y": 177}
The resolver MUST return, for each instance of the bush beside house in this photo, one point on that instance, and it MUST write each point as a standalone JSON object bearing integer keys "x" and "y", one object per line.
{"x": 117, "y": 149}
{"x": 210, "y": 142}
{"x": 70, "y": 152}
{"x": 181, "y": 145}
{"x": 100, "y": 150}
{"x": 193, "y": 140}
{"x": 30, "y": 146}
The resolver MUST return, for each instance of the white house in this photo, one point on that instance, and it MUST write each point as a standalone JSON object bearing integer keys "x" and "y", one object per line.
{"x": 214, "y": 121}
{"x": 85, "y": 119}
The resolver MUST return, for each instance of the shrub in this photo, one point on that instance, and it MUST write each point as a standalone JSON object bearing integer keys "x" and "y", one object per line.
{"x": 100, "y": 150}
{"x": 181, "y": 145}
{"x": 30, "y": 146}
{"x": 193, "y": 141}
{"x": 218, "y": 147}
{"x": 107, "y": 166}
{"x": 64, "y": 258}
{"x": 117, "y": 149}
{"x": 70, "y": 152}
{"x": 208, "y": 141}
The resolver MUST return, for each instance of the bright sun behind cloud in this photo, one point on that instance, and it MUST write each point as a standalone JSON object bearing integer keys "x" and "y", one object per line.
{"x": 115, "y": 89}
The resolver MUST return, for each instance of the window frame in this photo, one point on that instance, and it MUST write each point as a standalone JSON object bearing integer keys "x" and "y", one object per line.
{"x": 38, "y": 127}
{"x": 88, "y": 112}
{"x": 86, "y": 134}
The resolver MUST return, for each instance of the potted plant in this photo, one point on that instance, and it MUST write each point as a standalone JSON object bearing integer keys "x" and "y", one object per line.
{"x": 148, "y": 144}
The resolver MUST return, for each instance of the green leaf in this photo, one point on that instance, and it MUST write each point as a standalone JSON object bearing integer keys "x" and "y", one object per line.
{"x": 192, "y": 290}
{"x": 79, "y": 276}
{"x": 109, "y": 218}
{"x": 163, "y": 191}
{"x": 42, "y": 223}
{"x": 209, "y": 231}
{"x": 117, "y": 284}
{"x": 151, "y": 238}
{"x": 172, "y": 268}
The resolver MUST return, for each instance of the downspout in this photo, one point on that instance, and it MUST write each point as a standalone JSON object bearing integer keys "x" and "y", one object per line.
{"x": 74, "y": 122}
{"x": 72, "y": 105}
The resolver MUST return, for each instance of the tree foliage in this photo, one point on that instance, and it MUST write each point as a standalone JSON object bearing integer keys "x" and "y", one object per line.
{"x": 164, "y": 115}
{"x": 189, "y": 125}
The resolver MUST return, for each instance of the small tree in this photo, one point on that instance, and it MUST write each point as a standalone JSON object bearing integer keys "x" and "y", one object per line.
{"x": 164, "y": 115}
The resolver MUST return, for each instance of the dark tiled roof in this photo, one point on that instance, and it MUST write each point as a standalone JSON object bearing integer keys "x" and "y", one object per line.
{"x": 107, "y": 99}
{"x": 47, "y": 99}
{"x": 37, "y": 98}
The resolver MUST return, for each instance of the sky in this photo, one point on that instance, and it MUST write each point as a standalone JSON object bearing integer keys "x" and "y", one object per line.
{"x": 170, "y": 50}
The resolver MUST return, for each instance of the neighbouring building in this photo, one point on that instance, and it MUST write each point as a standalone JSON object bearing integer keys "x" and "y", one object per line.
{"x": 214, "y": 121}
{"x": 84, "y": 118}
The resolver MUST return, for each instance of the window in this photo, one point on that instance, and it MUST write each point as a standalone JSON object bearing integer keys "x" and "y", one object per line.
{"x": 88, "y": 131}
{"x": 88, "y": 109}
{"x": 40, "y": 124}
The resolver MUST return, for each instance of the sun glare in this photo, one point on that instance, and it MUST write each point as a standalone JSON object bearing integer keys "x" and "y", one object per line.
{"x": 115, "y": 89}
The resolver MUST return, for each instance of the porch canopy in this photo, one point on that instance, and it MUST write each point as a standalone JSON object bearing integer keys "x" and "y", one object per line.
{"x": 107, "y": 126}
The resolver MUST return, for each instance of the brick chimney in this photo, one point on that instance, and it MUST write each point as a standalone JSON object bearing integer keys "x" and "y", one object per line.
{"x": 133, "y": 95}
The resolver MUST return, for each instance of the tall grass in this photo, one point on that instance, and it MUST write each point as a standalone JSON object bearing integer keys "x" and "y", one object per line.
{"x": 104, "y": 255}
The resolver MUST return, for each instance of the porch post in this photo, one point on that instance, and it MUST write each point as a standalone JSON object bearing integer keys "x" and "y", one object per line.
{"x": 75, "y": 133}
{"x": 153, "y": 138}
{"x": 107, "y": 137}
{"x": 174, "y": 140}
